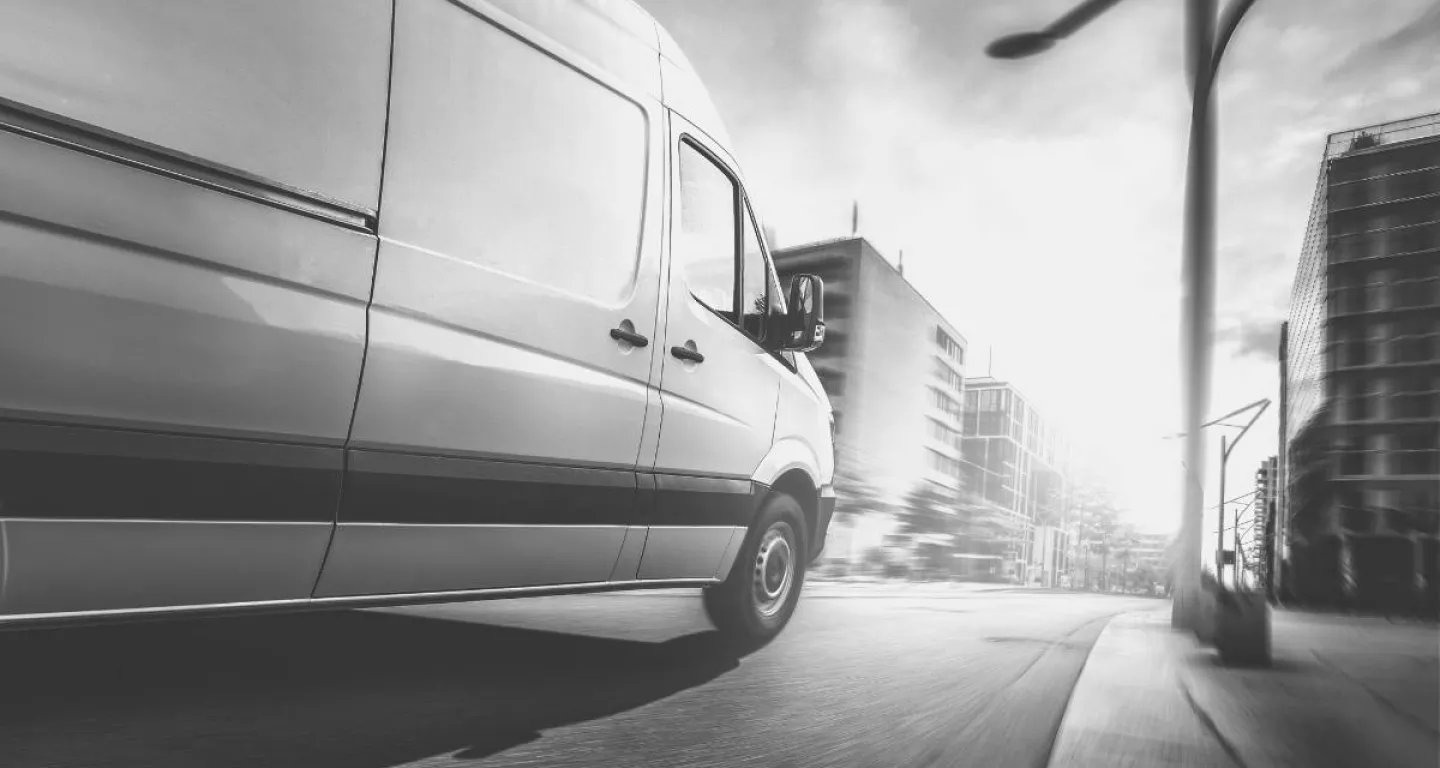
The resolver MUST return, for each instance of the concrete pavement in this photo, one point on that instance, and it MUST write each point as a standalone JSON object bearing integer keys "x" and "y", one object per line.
{"x": 949, "y": 677}
{"x": 630, "y": 680}
{"x": 876, "y": 588}
{"x": 1342, "y": 692}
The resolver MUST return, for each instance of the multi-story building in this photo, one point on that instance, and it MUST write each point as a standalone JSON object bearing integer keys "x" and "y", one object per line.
{"x": 1262, "y": 533}
{"x": 1014, "y": 460}
{"x": 1361, "y": 365}
{"x": 893, "y": 367}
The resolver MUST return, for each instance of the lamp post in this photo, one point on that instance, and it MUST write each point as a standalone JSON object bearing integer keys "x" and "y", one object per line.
{"x": 1204, "y": 48}
{"x": 1225, "y": 450}
{"x": 1226, "y": 447}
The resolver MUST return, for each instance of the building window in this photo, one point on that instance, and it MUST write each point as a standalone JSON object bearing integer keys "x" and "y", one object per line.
{"x": 945, "y": 373}
{"x": 949, "y": 346}
{"x": 1359, "y": 406}
{"x": 946, "y": 404}
{"x": 837, "y": 343}
{"x": 1352, "y": 460}
{"x": 944, "y": 464}
{"x": 1357, "y": 352}
{"x": 991, "y": 415}
{"x": 1415, "y": 397}
{"x": 945, "y": 434}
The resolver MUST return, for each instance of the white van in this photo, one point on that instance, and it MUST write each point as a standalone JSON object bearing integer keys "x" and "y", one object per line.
{"x": 325, "y": 303}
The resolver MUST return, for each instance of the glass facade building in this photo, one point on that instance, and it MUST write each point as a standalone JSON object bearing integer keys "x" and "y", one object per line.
{"x": 1013, "y": 459}
{"x": 1361, "y": 367}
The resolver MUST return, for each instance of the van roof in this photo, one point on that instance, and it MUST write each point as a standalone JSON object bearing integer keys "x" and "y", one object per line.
{"x": 602, "y": 30}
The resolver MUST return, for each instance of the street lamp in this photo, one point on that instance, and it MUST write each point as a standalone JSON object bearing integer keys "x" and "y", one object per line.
{"x": 1204, "y": 48}
{"x": 1225, "y": 450}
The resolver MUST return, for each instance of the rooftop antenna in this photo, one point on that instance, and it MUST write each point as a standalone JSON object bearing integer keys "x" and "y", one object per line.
{"x": 855, "y": 218}
{"x": 902, "y": 262}
{"x": 990, "y": 366}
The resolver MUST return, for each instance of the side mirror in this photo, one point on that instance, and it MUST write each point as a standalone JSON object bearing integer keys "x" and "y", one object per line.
{"x": 805, "y": 324}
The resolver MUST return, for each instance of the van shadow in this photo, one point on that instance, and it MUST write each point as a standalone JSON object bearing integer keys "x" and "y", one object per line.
{"x": 354, "y": 689}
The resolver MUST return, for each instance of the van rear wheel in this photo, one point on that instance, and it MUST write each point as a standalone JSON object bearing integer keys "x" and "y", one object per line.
{"x": 759, "y": 596}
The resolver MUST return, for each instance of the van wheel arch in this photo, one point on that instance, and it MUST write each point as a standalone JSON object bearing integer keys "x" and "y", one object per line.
{"x": 796, "y": 483}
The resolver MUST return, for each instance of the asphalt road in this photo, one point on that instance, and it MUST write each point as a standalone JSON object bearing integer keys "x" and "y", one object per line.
{"x": 636, "y": 679}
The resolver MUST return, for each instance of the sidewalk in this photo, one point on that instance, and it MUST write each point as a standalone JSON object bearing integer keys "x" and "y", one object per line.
{"x": 892, "y": 589}
{"x": 816, "y": 588}
{"x": 819, "y": 588}
{"x": 1342, "y": 692}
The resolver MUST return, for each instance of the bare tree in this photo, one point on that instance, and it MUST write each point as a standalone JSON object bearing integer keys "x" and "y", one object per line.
{"x": 1099, "y": 525}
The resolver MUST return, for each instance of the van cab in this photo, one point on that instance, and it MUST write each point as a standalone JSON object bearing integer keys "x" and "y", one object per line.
{"x": 360, "y": 302}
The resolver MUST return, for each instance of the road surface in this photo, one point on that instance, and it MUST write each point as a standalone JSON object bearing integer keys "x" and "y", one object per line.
{"x": 977, "y": 679}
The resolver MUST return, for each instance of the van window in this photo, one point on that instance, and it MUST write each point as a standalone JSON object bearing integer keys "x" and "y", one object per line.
{"x": 755, "y": 277}
{"x": 505, "y": 157}
{"x": 704, "y": 247}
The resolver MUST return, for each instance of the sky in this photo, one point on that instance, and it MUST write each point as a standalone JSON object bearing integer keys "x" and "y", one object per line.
{"x": 1038, "y": 202}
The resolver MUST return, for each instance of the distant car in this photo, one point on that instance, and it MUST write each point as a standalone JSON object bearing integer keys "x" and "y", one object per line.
{"x": 362, "y": 302}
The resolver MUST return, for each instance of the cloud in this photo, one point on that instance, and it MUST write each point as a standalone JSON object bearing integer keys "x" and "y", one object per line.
{"x": 1415, "y": 41}
{"x": 1256, "y": 339}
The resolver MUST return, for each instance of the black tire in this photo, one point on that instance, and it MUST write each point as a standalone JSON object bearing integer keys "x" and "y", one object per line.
{"x": 752, "y": 605}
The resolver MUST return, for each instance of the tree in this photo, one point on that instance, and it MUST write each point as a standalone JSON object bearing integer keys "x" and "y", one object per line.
{"x": 930, "y": 510}
{"x": 874, "y": 558}
{"x": 1145, "y": 577}
{"x": 1099, "y": 522}
{"x": 1051, "y": 508}
{"x": 1123, "y": 542}
{"x": 982, "y": 526}
{"x": 934, "y": 559}
{"x": 1123, "y": 555}
{"x": 854, "y": 495}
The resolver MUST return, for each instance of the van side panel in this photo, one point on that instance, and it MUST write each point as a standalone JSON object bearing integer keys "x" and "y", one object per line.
{"x": 289, "y": 91}
{"x": 132, "y": 300}
{"x": 499, "y": 419}
{"x": 519, "y": 228}
{"x": 178, "y": 361}
{"x": 148, "y": 306}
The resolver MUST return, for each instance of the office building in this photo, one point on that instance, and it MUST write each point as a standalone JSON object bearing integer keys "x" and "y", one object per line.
{"x": 1262, "y": 531}
{"x": 893, "y": 367}
{"x": 1360, "y": 360}
{"x": 1014, "y": 460}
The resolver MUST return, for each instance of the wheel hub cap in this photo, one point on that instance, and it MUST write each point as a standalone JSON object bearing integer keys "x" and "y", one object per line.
{"x": 774, "y": 572}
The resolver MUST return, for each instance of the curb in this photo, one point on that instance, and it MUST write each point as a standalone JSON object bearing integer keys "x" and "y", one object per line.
{"x": 1116, "y": 717}
{"x": 1150, "y": 695}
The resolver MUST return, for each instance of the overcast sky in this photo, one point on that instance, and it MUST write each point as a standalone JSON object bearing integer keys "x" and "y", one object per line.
{"x": 1038, "y": 202}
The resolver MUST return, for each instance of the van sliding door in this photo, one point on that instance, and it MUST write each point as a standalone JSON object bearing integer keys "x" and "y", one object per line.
{"x": 513, "y": 326}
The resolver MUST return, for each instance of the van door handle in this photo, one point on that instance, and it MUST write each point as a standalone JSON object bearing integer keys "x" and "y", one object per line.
{"x": 686, "y": 353}
{"x": 630, "y": 337}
